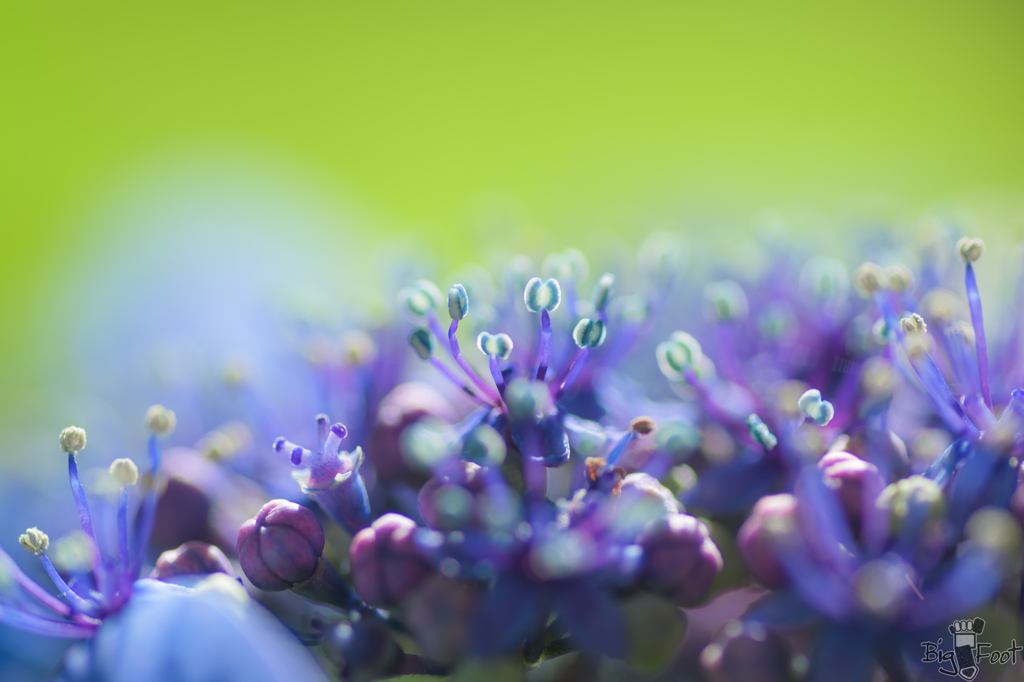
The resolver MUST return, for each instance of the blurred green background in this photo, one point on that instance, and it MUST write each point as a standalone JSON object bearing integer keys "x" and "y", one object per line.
{"x": 586, "y": 117}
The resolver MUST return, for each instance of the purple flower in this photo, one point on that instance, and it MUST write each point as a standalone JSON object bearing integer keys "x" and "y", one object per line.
{"x": 680, "y": 558}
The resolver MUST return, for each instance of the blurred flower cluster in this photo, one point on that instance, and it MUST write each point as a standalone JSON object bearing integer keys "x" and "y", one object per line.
{"x": 662, "y": 472}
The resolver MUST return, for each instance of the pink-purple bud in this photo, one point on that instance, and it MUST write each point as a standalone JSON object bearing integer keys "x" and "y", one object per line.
{"x": 853, "y": 479}
{"x": 680, "y": 558}
{"x": 405, "y": 405}
{"x": 387, "y": 564}
{"x": 771, "y": 520}
{"x": 192, "y": 558}
{"x": 281, "y": 547}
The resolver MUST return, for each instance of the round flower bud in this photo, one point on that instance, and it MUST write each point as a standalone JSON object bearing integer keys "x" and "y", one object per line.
{"x": 970, "y": 249}
{"x": 72, "y": 439}
{"x": 603, "y": 291}
{"x": 34, "y": 540}
{"x": 192, "y": 558}
{"x": 458, "y": 302}
{"x": 900, "y": 278}
{"x": 911, "y": 502}
{"x": 407, "y": 404}
{"x": 494, "y": 345}
{"x": 281, "y": 547}
{"x": 589, "y": 333}
{"x": 869, "y": 278}
{"x": 422, "y": 342}
{"x": 124, "y": 472}
{"x": 771, "y": 521}
{"x": 160, "y": 420}
{"x": 914, "y": 324}
{"x": 542, "y": 295}
{"x": 726, "y": 301}
{"x": 850, "y": 476}
{"x": 387, "y": 564}
{"x": 680, "y": 352}
{"x": 680, "y": 558}
{"x": 447, "y": 504}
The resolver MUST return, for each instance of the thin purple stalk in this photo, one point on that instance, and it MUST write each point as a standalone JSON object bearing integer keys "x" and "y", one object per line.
{"x": 620, "y": 447}
{"x": 453, "y": 341}
{"x": 125, "y": 561}
{"x": 974, "y": 302}
{"x": 77, "y": 603}
{"x": 540, "y": 370}
{"x": 499, "y": 380}
{"x": 85, "y": 520}
{"x": 452, "y": 377}
{"x": 32, "y": 587}
{"x": 576, "y": 364}
{"x": 43, "y": 626}
{"x": 147, "y": 515}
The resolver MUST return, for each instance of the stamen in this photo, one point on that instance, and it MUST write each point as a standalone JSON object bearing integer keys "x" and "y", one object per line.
{"x": 638, "y": 428}
{"x": 869, "y": 278}
{"x": 973, "y": 252}
{"x": 125, "y": 473}
{"x": 540, "y": 370}
{"x": 77, "y": 602}
{"x": 453, "y": 341}
{"x": 84, "y": 517}
{"x": 322, "y": 429}
{"x": 147, "y": 515}
{"x": 11, "y": 568}
{"x": 543, "y": 297}
{"x": 160, "y": 420}
{"x": 811, "y": 404}
{"x": 42, "y": 626}
{"x": 423, "y": 343}
{"x": 603, "y": 294}
{"x": 760, "y": 432}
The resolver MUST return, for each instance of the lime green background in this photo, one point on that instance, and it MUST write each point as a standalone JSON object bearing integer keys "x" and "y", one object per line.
{"x": 592, "y": 115}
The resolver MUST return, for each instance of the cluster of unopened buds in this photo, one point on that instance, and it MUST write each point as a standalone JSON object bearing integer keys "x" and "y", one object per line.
{"x": 827, "y": 465}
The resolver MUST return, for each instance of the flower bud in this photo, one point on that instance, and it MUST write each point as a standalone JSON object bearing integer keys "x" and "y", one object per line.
{"x": 387, "y": 564}
{"x": 458, "y": 302}
{"x": 680, "y": 352}
{"x": 970, "y": 250}
{"x": 124, "y": 472}
{"x": 72, "y": 439}
{"x": 406, "y": 405}
{"x": 160, "y": 421}
{"x": 850, "y": 476}
{"x": 680, "y": 558}
{"x": 771, "y": 522}
{"x": 494, "y": 345}
{"x": 589, "y": 333}
{"x": 869, "y": 278}
{"x": 192, "y": 558}
{"x": 448, "y": 502}
{"x": 281, "y": 547}
{"x": 34, "y": 540}
{"x": 422, "y": 342}
{"x": 542, "y": 295}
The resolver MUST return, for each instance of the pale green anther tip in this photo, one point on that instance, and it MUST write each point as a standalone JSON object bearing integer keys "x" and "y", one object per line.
{"x": 869, "y": 278}
{"x": 726, "y": 300}
{"x": 680, "y": 352}
{"x": 422, "y": 297}
{"x": 914, "y": 324}
{"x": 124, "y": 472}
{"x": 422, "y": 342}
{"x": 589, "y": 333}
{"x": 569, "y": 265}
{"x": 458, "y": 302}
{"x": 760, "y": 432}
{"x": 160, "y": 421}
{"x": 34, "y": 540}
{"x": 603, "y": 291}
{"x": 811, "y": 404}
{"x": 72, "y": 439}
{"x": 970, "y": 249}
{"x": 527, "y": 399}
{"x": 900, "y": 278}
{"x": 494, "y": 345}
{"x": 542, "y": 295}
{"x": 643, "y": 425}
